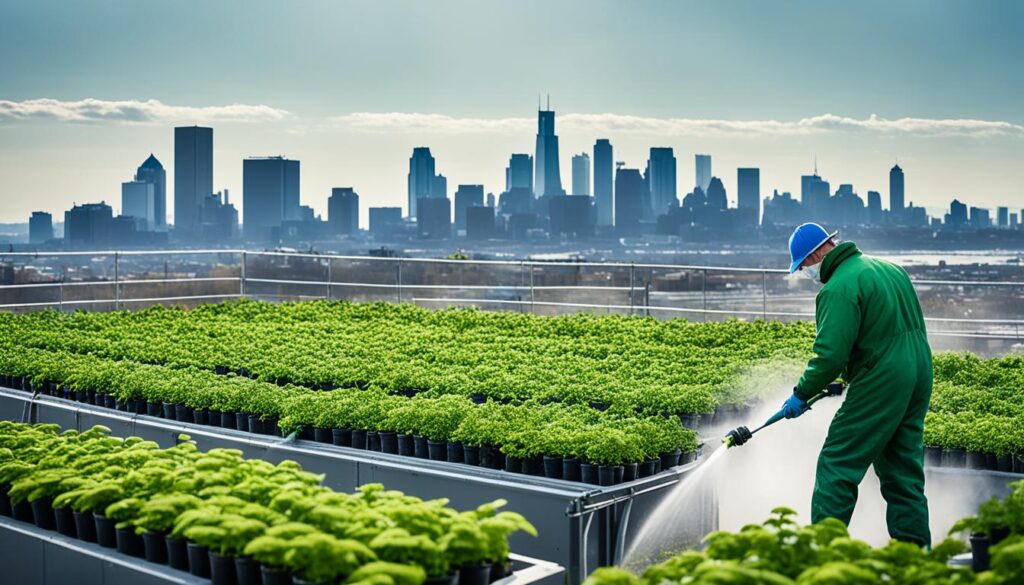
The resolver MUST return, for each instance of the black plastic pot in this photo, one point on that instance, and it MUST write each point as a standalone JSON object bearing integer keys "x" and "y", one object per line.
{"x": 388, "y": 442}
{"x": 167, "y": 409}
{"x": 154, "y": 409}
{"x": 500, "y": 571}
{"x": 201, "y": 417}
{"x": 980, "y": 559}
{"x": 991, "y": 461}
{"x": 513, "y": 464}
{"x": 254, "y": 424}
{"x": 183, "y": 413}
{"x": 406, "y": 445}
{"x": 121, "y": 405}
{"x": 65, "y": 520}
{"x": 154, "y": 547}
{"x": 42, "y": 514}
{"x": 139, "y": 406}
{"x": 630, "y": 471}
{"x": 471, "y": 455}
{"x": 81, "y": 396}
{"x": 452, "y": 579}
{"x": 321, "y": 435}
{"x": 358, "y": 439}
{"x": 228, "y": 420}
{"x": 588, "y": 473}
{"x": 222, "y": 569}
{"x": 534, "y": 466}
{"x": 606, "y": 475}
{"x": 85, "y": 526}
{"x": 933, "y": 456}
{"x": 420, "y": 448}
{"x": 976, "y": 460}
{"x": 456, "y": 453}
{"x": 341, "y": 437}
{"x": 954, "y": 458}
{"x": 198, "y": 560}
{"x": 1018, "y": 463}
{"x": 688, "y": 457}
{"x": 177, "y": 553}
{"x": 372, "y": 441}
{"x": 22, "y": 511}
{"x": 247, "y": 571}
{"x": 571, "y": 469}
{"x": 480, "y": 575}
{"x": 106, "y": 535}
{"x": 5, "y": 500}
{"x": 553, "y": 467}
{"x": 690, "y": 421}
{"x": 242, "y": 421}
{"x": 269, "y": 576}
{"x": 438, "y": 450}
{"x": 488, "y": 457}
{"x": 1004, "y": 463}
{"x": 269, "y": 426}
{"x": 670, "y": 459}
{"x": 110, "y": 402}
{"x": 100, "y": 399}
{"x": 129, "y": 543}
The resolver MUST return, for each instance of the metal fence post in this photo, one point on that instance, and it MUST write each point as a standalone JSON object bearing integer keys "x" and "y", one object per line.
{"x": 329, "y": 292}
{"x": 241, "y": 276}
{"x": 704, "y": 294}
{"x": 60, "y": 290}
{"x": 117, "y": 284}
{"x": 632, "y": 278}
{"x": 398, "y": 280}
{"x": 647, "y": 299}
{"x": 764, "y": 295}
{"x": 533, "y": 309}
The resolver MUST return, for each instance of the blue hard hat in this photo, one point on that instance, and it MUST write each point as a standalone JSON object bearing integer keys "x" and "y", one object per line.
{"x": 805, "y": 240}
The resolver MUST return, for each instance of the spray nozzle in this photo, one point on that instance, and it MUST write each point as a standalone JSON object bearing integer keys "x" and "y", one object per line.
{"x": 737, "y": 437}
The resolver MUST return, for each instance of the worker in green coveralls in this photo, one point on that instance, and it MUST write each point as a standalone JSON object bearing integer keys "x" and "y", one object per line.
{"x": 870, "y": 330}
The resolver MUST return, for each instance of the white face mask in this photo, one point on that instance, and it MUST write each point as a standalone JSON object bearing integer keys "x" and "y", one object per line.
{"x": 812, "y": 272}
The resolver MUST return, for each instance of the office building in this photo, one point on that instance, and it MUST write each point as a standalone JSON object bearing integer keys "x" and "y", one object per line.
{"x": 630, "y": 192}
{"x": 151, "y": 171}
{"x": 385, "y": 221}
{"x": 1002, "y": 217}
{"x": 875, "y": 214}
{"x": 270, "y": 196}
{"x": 138, "y": 200}
{"x": 957, "y": 216}
{"x": 421, "y": 177}
{"x": 603, "y": 184}
{"x": 572, "y": 215}
{"x": 717, "y": 198}
{"x": 581, "y": 174}
{"x": 219, "y": 218}
{"x": 40, "y": 227}
{"x": 519, "y": 172}
{"x": 814, "y": 194}
{"x": 343, "y": 212}
{"x": 547, "y": 181}
{"x": 703, "y": 171}
{"x": 439, "y": 187}
{"x": 661, "y": 181}
{"x": 89, "y": 223}
{"x": 896, "y": 194}
{"x": 466, "y": 196}
{"x": 193, "y": 175}
{"x": 434, "y": 218}
{"x": 748, "y": 195}
{"x": 980, "y": 218}
{"x": 480, "y": 223}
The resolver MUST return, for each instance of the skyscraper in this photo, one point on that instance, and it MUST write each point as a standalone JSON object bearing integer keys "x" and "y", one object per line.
{"x": 957, "y": 216}
{"x": 748, "y": 195}
{"x": 519, "y": 172}
{"x": 717, "y": 198}
{"x": 151, "y": 171}
{"x": 581, "y": 174}
{"x": 343, "y": 211}
{"x": 467, "y": 196}
{"x": 421, "y": 176}
{"x": 88, "y": 224}
{"x": 814, "y": 193}
{"x": 547, "y": 180}
{"x": 439, "y": 187}
{"x": 603, "y": 181}
{"x": 138, "y": 200}
{"x": 874, "y": 208}
{"x": 661, "y": 181}
{"x": 630, "y": 191}
{"x": 193, "y": 175}
{"x": 1002, "y": 217}
{"x": 270, "y": 195}
{"x": 896, "y": 201}
{"x": 703, "y": 168}
{"x": 40, "y": 227}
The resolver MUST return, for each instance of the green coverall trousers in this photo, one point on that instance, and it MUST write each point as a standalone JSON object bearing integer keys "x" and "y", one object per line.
{"x": 881, "y": 423}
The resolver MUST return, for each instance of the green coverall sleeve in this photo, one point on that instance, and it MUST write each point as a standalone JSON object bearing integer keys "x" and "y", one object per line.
{"x": 837, "y": 319}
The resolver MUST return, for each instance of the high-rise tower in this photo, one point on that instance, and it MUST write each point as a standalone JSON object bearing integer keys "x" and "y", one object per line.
{"x": 193, "y": 175}
{"x": 546, "y": 179}
{"x": 896, "y": 201}
{"x": 152, "y": 172}
{"x": 603, "y": 164}
{"x": 421, "y": 176}
{"x": 661, "y": 180}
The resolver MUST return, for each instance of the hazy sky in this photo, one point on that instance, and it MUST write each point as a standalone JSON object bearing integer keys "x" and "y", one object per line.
{"x": 89, "y": 89}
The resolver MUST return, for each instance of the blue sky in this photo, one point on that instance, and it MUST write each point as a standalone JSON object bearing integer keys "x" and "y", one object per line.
{"x": 334, "y": 83}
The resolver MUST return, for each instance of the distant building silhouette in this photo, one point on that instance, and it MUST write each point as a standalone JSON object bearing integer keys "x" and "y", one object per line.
{"x": 466, "y": 196}
{"x": 270, "y": 196}
{"x": 581, "y": 174}
{"x": 89, "y": 223}
{"x": 875, "y": 213}
{"x": 343, "y": 211}
{"x": 661, "y": 181}
{"x": 151, "y": 171}
{"x": 219, "y": 218}
{"x": 434, "y": 218}
{"x": 630, "y": 192}
{"x": 193, "y": 175}
{"x": 748, "y": 196}
{"x": 603, "y": 184}
{"x": 519, "y": 172}
{"x": 814, "y": 194}
{"x": 1003, "y": 217}
{"x": 702, "y": 162}
{"x": 980, "y": 218}
{"x": 547, "y": 181}
{"x": 40, "y": 227}
{"x": 572, "y": 215}
{"x": 957, "y": 216}
{"x": 421, "y": 177}
{"x": 896, "y": 194}
{"x": 782, "y": 209}
{"x": 717, "y": 198}
{"x": 480, "y": 223}
{"x": 138, "y": 200}
{"x": 439, "y": 187}
{"x": 385, "y": 221}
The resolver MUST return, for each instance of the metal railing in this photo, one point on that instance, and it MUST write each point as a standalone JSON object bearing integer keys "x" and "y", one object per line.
{"x": 629, "y": 287}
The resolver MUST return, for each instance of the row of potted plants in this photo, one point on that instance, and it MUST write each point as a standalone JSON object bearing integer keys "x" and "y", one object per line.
{"x": 566, "y": 441}
{"x": 244, "y": 521}
{"x": 634, "y": 363}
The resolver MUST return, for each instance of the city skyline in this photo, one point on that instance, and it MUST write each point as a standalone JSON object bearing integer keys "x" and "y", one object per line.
{"x": 876, "y": 90}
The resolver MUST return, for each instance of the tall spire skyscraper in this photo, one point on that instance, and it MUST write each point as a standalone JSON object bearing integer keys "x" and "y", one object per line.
{"x": 151, "y": 171}
{"x": 896, "y": 193}
{"x": 547, "y": 180}
{"x": 421, "y": 177}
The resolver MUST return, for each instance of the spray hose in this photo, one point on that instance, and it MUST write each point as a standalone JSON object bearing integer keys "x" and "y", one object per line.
{"x": 740, "y": 435}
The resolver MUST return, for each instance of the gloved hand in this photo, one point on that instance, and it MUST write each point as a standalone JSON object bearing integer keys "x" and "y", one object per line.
{"x": 794, "y": 406}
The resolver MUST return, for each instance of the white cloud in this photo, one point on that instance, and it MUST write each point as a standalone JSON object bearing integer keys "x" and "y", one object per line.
{"x": 135, "y": 112}
{"x": 400, "y": 122}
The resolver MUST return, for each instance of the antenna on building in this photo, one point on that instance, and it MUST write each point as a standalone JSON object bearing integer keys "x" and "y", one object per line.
{"x": 538, "y": 102}
{"x": 549, "y": 102}
{"x": 815, "y": 164}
